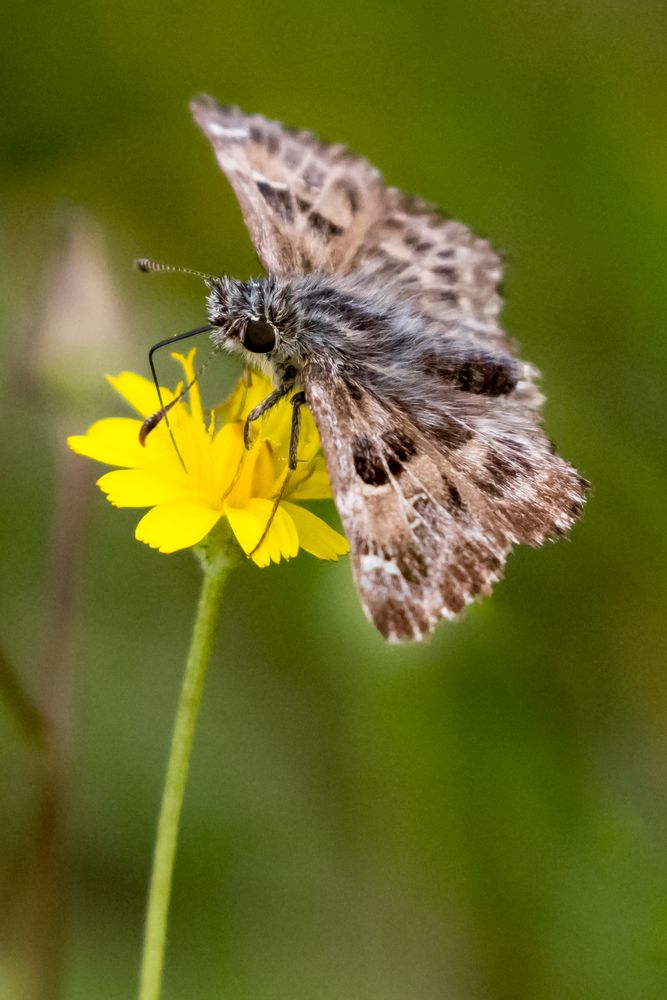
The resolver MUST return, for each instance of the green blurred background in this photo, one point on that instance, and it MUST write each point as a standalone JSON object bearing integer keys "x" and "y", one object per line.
{"x": 480, "y": 818}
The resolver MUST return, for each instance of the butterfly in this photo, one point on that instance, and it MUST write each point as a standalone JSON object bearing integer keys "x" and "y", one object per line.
{"x": 382, "y": 316}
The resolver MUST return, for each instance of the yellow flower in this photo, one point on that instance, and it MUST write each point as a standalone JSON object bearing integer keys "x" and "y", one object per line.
{"x": 218, "y": 477}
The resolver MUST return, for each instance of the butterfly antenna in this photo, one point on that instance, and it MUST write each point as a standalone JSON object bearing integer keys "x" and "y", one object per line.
{"x": 145, "y": 264}
{"x": 155, "y": 418}
{"x": 151, "y": 422}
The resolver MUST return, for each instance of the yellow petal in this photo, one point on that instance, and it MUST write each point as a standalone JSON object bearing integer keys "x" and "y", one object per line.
{"x": 142, "y": 487}
{"x": 313, "y": 485}
{"x": 114, "y": 441}
{"x": 244, "y": 486}
{"x": 139, "y": 392}
{"x": 268, "y": 471}
{"x": 187, "y": 363}
{"x": 309, "y": 438}
{"x": 227, "y": 450}
{"x": 251, "y": 389}
{"x": 177, "y": 524}
{"x": 233, "y": 406}
{"x": 275, "y": 426}
{"x": 282, "y": 538}
{"x": 248, "y": 524}
{"x": 315, "y": 535}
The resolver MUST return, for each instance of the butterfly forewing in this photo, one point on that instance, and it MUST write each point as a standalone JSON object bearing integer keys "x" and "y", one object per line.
{"x": 307, "y": 204}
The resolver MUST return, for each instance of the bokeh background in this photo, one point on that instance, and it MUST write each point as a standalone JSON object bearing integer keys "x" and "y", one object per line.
{"x": 480, "y": 818}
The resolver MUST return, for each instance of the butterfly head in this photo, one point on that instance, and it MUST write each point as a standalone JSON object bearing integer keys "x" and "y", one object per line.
{"x": 256, "y": 319}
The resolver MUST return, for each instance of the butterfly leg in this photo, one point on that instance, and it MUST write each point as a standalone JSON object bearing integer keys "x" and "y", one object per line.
{"x": 297, "y": 401}
{"x": 262, "y": 408}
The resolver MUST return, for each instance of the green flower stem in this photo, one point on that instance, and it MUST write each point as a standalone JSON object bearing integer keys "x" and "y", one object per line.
{"x": 217, "y": 558}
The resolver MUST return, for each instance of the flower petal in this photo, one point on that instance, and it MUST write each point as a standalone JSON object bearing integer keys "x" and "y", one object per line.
{"x": 227, "y": 450}
{"x": 315, "y": 535}
{"x": 314, "y": 485}
{"x": 139, "y": 392}
{"x": 142, "y": 487}
{"x": 177, "y": 524}
{"x": 187, "y": 485}
{"x": 114, "y": 441}
{"x": 187, "y": 363}
{"x": 282, "y": 535}
{"x": 248, "y": 524}
{"x": 250, "y": 390}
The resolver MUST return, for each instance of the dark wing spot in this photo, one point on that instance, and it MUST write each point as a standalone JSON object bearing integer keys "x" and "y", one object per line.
{"x": 452, "y": 432}
{"x": 400, "y": 444}
{"x": 355, "y": 391}
{"x": 325, "y": 227}
{"x": 392, "y": 619}
{"x": 453, "y": 501}
{"x": 423, "y": 246}
{"x": 399, "y": 448}
{"x": 446, "y": 295}
{"x": 368, "y": 462}
{"x": 454, "y": 600}
{"x": 491, "y": 489}
{"x": 277, "y": 198}
{"x": 313, "y": 176}
{"x": 351, "y": 193}
{"x": 448, "y": 273}
{"x": 411, "y": 564}
{"x": 303, "y": 205}
{"x": 360, "y": 546}
{"x": 501, "y": 469}
{"x": 482, "y": 374}
{"x": 497, "y": 377}
{"x": 292, "y": 155}
{"x": 516, "y": 455}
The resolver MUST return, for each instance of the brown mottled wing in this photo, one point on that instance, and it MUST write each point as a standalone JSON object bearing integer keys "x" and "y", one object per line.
{"x": 430, "y": 524}
{"x": 448, "y": 272}
{"x": 307, "y": 204}
{"x": 313, "y": 206}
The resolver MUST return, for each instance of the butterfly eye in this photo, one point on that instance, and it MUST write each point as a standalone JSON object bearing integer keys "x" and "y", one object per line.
{"x": 258, "y": 336}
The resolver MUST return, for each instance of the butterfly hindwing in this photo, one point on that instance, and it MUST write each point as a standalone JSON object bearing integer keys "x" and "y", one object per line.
{"x": 417, "y": 552}
{"x": 430, "y": 524}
